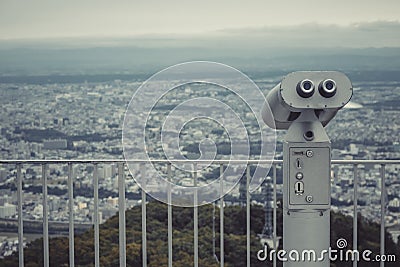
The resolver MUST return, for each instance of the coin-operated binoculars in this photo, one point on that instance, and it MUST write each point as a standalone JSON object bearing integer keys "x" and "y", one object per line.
{"x": 303, "y": 103}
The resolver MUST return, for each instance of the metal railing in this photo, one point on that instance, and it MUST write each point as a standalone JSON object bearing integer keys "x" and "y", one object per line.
{"x": 121, "y": 201}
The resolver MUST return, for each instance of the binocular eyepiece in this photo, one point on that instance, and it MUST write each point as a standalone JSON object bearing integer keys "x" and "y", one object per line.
{"x": 327, "y": 88}
{"x": 325, "y": 92}
{"x": 306, "y": 88}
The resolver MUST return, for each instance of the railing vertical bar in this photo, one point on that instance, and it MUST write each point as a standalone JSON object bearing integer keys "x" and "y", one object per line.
{"x": 221, "y": 214}
{"x": 195, "y": 218}
{"x": 274, "y": 213}
{"x": 248, "y": 215}
{"x": 71, "y": 216}
{"x": 383, "y": 213}
{"x": 169, "y": 216}
{"x": 121, "y": 208}
{"x": 213, "y": 231}
{"x": 96, "y": 216}
{"x": 20, "y": 218}
{"x": 45, "y": 219}
{"x": 144, "y": 226}
{"x": 355, "y": 219}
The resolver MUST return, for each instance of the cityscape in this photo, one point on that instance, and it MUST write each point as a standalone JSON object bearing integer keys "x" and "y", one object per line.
{"x": 83, "y": 120}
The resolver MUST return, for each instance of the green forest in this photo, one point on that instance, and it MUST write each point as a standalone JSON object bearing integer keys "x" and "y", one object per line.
{"x": 157, "y": 246}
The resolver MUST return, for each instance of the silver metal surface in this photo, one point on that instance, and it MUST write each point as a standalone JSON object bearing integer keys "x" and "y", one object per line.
{"x": 383, "y": 213}
{"x": 355, "y": 219}
{"x": 274, "y": 212}
{"x": 121, "y": 208}
{"x": 169, "y": 173}
{"x": 20, "y": 217}
{"x": 195, "y": 219}
{"x": 221, "y": 215}
{"x": 250, "y": 161}
{"x": 45, "y": 218}
{"x": 247, "y": 216}
{"x": 71, "y": 216}
{"x": 213, "y": 231}
{"x": 96, "y": 216}
{"x": 144, "y": 226}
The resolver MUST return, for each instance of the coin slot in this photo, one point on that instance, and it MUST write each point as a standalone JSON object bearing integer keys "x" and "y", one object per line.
{"x": 299, "y": 164}
{"x": 299, "y": 188}
{"x": 298, "y": 153}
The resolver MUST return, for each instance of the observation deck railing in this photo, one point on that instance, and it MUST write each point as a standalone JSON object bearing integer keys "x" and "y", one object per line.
{"x": 121, "y": 173}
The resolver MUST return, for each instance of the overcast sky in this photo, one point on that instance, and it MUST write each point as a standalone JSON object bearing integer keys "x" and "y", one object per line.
{"x": 104, "y": 18}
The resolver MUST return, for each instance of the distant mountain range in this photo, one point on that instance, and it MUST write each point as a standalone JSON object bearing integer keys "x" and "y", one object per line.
{"x": 359, "y": 47}
{"x": 142, "y": 60}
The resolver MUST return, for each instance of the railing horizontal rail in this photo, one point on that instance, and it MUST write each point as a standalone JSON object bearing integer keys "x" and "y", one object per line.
{"x": 250, "y": 161}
